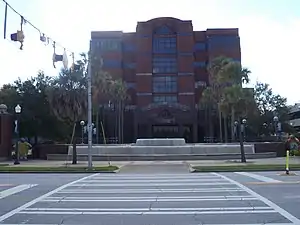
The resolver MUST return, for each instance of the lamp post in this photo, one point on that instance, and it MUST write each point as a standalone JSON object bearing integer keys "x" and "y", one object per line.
{"x": 265, "y": 125}
{"x": 82, "y": 123}
{"x": 277, "y": 126}
{"x": 243, "y": 126}
{"x": 240, "y": 126}
{"x": 265, "y": 129}
{"x": 18, "y": 110}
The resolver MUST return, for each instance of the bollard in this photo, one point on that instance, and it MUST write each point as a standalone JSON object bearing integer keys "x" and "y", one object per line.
{"x": 287, "y": 170}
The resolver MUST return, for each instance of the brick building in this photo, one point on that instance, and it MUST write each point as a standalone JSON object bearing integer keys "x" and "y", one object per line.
{"x": 164, "y": 66}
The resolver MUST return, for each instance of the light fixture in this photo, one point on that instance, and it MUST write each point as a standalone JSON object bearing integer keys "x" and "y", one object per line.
{"x": 18, "y": 109}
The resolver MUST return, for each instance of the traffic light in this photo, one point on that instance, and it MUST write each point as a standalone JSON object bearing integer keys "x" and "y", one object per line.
{"x": 60, "y": 58}
{"x": 19, "y": 36}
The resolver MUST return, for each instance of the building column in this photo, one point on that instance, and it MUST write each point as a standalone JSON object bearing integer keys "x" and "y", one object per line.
{"x": 149, "y": 130}
{"x": 135, "y": 127}
{"x": 180, "y": 130}
{"x": 195, "y": 133}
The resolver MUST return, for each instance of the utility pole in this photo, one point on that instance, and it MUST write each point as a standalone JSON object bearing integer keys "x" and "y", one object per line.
{"x": 89, "y": 124}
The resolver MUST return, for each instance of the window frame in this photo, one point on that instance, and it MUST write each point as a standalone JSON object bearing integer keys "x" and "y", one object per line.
{"x": 164, "y": 65}
{"x": 165, "y": 84}
{"x": 165, "y": 99}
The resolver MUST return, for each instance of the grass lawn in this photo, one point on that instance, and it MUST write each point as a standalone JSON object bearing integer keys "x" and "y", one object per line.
{"x": 2, "y": 164}
{"x": 246, "y": 167}
{"x": 62, "y": 169}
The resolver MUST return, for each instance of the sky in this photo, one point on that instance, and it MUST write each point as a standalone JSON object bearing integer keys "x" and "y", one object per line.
{"x": 269, "y": 32}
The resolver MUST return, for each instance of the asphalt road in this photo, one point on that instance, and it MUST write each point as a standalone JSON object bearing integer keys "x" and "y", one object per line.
{"x": 169, "y": 198}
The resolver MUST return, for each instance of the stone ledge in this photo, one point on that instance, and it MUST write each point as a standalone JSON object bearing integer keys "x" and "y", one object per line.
{"x": 162, "y": 157}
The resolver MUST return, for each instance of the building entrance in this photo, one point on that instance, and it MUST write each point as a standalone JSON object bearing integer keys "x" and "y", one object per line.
{"x": 165, "y": 131}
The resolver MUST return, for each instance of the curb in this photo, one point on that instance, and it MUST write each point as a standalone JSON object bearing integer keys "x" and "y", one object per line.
{"x": 216, "y": 170}
{"x": 120, "y": 167}
{"x": 62, "y": 171}
{"x": 191, "y": 169}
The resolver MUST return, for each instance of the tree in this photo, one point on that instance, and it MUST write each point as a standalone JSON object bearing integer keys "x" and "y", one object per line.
{"x": 68, "y": 99}
{"x": 35, "y": 116}
{"x": 268, "y": 105}
{"x": 235, "y": 98}
{"x": 101, "y": 89}
{"x": 215, "y": 91}
{"x": 106, "y": 88}
{"x": 9, "y": 96}
{"x": 226, "y": 76}
{"x": 119, "y": 95}
{"x": 208, "y": 103}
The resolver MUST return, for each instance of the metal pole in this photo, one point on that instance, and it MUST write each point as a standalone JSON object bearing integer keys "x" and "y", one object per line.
{"x": 276, "y": 129}
{"x": 243, "y": 157}
{"x": 82, "y": 134}
{"x": 287, "y": 169}
{"x": 17, "y": 162}
{"x": 89, "y": 125}
{"x": 97, "y": 125}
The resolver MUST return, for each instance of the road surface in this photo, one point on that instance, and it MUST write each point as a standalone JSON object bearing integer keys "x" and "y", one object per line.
{"x": 150, "y": 199}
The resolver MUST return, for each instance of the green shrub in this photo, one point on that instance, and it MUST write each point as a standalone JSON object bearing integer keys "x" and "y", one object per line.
{"x": 295, "y": 153}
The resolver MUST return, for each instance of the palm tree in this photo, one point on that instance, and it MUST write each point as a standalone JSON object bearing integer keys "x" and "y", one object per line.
{"x": 233, "y": 76}
{"x": 214, "y": 69}
{"x": 208, "y": 102}
{"x": 119, "y": 95}
{"x": 101, "y": 87}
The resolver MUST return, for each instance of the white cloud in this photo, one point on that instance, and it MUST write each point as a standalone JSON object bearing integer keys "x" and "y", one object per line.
{"x": 269, "y": 45}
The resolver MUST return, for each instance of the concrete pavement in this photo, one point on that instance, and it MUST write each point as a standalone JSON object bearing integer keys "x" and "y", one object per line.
{"x": 265, "y": 161}
{"x": 168, "y": 198}
{"x": 156, "y": 167}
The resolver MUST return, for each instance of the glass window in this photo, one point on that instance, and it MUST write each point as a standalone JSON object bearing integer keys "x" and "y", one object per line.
{"x": 165, "y": 98}
{"x": 200, "y": 46}
{"x": 223, "y": 41}
{"x": 128, "y": 47}
{"x": 165, "y": 84}
{"x": 109, "y": 63}
{"x": 164, "y": 45}
{"x": 163, "y": 30}
{"x": 107, "y": 44}
{"x": 199, "y": 64}
{"x": 164, "y": 65}
{"x": 129, "y": 65}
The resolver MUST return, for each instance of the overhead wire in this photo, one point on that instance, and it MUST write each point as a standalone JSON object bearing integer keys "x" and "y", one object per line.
{"x": 43, "y": 37}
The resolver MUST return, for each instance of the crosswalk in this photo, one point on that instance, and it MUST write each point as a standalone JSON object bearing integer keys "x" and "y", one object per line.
{"x": 10, "y": 189}
{"x": 144, "y": 199}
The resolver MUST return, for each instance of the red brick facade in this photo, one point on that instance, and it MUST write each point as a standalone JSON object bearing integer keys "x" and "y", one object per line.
{"x": 132, "y": 55}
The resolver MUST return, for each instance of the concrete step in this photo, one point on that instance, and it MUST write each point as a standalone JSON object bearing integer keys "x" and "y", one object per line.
{"x": 168, "y": 157}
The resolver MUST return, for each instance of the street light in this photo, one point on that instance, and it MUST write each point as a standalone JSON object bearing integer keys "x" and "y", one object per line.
{"x": 277, "y": 126}
{"x": 18, "y": 110}
{"x": 265, "y": 128}
{"x": 240, "y": 126}
{"x": 82, "y": 123}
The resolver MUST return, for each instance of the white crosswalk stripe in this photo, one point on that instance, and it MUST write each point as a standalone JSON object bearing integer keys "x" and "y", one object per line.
{"x": 210, "y": 198}
{"x": 15, "y": 190}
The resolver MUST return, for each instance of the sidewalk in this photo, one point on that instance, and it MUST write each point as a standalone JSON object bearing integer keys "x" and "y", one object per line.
{"x": 45, "y": 163}
{"x": 267, "y": 161}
